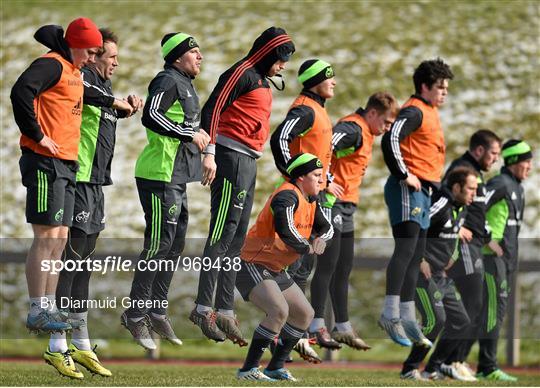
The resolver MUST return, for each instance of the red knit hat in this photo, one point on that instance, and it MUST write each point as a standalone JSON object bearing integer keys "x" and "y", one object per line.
{"x": 83, "y": 33}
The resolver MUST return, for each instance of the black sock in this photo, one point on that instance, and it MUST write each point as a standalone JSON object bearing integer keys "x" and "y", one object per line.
{"x": 261, "y": 340}
{"x": 288, "y": 337}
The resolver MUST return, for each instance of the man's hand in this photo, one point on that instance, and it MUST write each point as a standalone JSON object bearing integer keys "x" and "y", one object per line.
{"x": 335, "y": 189}
{"x": 209, "y": 169}
{"x": 201, "y": 140}
{"x": 319, "y": 245}
{"x": 425, "y": 269}
{"x": 413, "y": 181}
{"x": 495, "y": 247}
{"x": 465, "y": 234}
{"x": 136, "y": 102}
{"x": 49, "y": 145}
{"x": 123, "y": 105}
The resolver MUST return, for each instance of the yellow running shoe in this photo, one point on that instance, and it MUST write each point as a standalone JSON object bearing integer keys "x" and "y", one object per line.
{"x": 89, "y": 359}
{"x": 63, "y": 363}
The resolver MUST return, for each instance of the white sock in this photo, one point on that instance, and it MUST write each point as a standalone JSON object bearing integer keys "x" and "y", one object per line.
{"x": 203, "y": 309}
{"x": 344, "y": 326}
{"x": 80, "y": 337}
{"x": 229, "y": 313}
{"x": 160, "y": 317}
{"x": 391, "y": 306}
{"x": 58, "y": 342}
{"x": 35, "y": 305}
{"x": 316, "y": 324}
{"x": 407, "y": 311}
{"x": 51, "y": 299}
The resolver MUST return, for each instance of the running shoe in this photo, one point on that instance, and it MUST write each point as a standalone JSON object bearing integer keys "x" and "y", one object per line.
{"x": 452, "y": 371}
{"x": 412, "y": 330}
{"x": 230, "y": 327}
{"x": 433, "y": 376}
{"x": 45, "y": 322}
{"x": 140, "y": 330}
{"x": 164, "y": 328}
{"x": 304, "y": 349}
{"x": 280, "y": 374}
{"x": 324, "y": 340}
{"x": 63, "y": 316}
{"x": 351, "y": 339}
{"x": 413, "y": 374}
{"x": 89, "y": 359}
{"x": 497, "y": 375}
{"x": 207, "y": 323}
{"x": 395, "y": 330}
{"x": 253, "y": 374}
{"x": 465, "y": 370}
{"x": 63, "y": 363}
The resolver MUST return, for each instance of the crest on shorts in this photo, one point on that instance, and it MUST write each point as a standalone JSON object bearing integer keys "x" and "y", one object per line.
{"x": 415, "y": 211}
{"x": 338, "y": 219}
{"x": 437, "y": 295}
{"x": 82, "y": 217}
{"x": 172, "y": 209}
{"x": 241, "y": 195}
{"x": 59, "y": 214}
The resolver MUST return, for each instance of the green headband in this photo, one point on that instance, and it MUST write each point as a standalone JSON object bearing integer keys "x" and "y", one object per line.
{"x": 303, "y": 159}
{"x": 518, "y": 149}
{"x": 315, "y": 69}
{"x": 173, "y": 42}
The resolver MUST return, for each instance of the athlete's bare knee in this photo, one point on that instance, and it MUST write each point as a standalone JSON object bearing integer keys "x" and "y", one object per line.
{"x": 278, "y": 313}
{"x": 44, "y": 246}
{"x": 310, "y": 314}
{"x": 61, "y": 241}
{"x": 305, "y": 316}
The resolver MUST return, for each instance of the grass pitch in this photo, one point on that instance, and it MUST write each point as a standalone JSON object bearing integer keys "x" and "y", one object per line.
{"x": 147, "y": 374}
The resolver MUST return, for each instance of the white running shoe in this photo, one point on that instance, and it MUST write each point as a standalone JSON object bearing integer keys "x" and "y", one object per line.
{"x": 304, "y": 349}
{"x": 412, "y": 375}
{"x": 253, "y": 374}
{"x": 465, "y": 371}
{"x": 451, "y": 371}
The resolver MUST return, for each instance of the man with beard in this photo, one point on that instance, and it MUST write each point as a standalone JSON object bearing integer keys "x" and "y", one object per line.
{"x": 169, "y": 161}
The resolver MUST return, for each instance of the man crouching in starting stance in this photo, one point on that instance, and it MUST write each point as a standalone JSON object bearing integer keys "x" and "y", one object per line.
{"x": 280, "y": 235}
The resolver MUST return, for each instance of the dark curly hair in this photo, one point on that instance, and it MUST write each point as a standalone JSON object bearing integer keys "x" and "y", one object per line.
{"x": 428, "y": 72}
